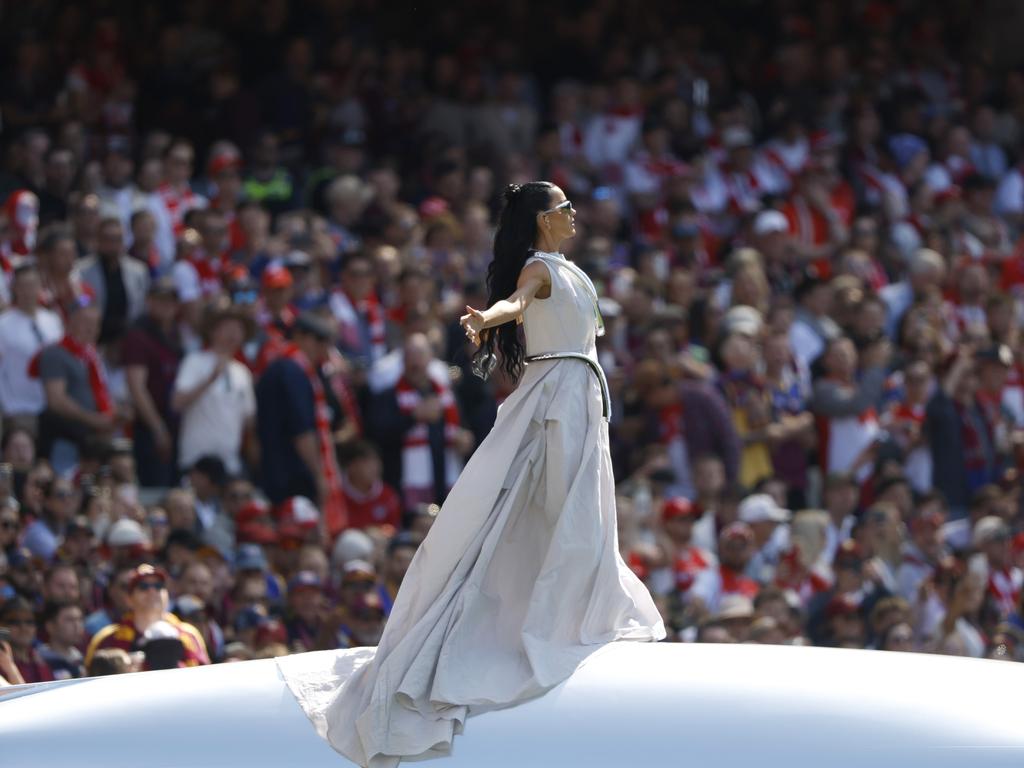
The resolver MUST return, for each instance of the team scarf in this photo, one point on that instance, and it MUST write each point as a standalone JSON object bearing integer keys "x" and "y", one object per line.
{"x": 1005, "y": 585}
{"x": 178, "y": 204}
{"x": 86, "y": 354}
{"x": 206, "y": 270}
{"x": 670, "y": 423}
{"x": 743, "y": 187}
{"x": 347, "y": 313}
{"x": 974, "y": 437}
{"x": 689, "y": 561}
{"x": 333, "y": 508}
{"x": 789, "y": 159}
{"x": 416, "y": 444}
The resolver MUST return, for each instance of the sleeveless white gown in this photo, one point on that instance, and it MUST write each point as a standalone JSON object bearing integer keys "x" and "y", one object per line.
{"x": 519, "y": 579}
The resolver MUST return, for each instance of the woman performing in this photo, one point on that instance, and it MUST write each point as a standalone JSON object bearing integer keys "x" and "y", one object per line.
{"x": 519, "y": 579}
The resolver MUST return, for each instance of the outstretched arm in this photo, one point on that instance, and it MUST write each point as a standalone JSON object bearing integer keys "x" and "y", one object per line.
{"x": 533, "y": 277}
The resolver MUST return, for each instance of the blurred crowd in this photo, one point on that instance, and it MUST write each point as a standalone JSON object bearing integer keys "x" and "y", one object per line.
{"x": 236, "y": 242}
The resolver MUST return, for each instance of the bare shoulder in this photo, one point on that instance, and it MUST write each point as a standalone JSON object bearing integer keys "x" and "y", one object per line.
{"x": 535, "y": 269}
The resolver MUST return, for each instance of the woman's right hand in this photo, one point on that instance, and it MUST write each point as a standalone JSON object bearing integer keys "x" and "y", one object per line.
{"x": 472, "y": 323}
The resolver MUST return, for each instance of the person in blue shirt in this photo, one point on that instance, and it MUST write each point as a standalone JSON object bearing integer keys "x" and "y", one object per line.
{"x": 287, "y": 418}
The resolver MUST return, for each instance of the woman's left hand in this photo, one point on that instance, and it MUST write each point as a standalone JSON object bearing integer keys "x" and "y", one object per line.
{"x": 472, "y": 323}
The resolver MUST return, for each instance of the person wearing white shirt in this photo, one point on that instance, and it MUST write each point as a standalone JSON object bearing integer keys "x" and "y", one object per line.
{"x": 214, "y": 394}
{"x": 926, "y": 270}
{"x": 25, "y": 328}
{"x": 812, "y": 326}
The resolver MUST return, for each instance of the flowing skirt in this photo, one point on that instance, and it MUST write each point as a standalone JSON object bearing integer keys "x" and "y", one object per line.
{"x": 518, "y": 581}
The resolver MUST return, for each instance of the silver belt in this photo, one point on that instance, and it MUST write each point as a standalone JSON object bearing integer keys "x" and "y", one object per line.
{"x": 606, "y": 398}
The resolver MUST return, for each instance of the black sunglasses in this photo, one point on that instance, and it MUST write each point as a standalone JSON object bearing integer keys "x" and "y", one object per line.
{"x": 146, "y": 585}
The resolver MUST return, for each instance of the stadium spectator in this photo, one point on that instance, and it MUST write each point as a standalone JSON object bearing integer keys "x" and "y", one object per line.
{"x": 215, "y": 396}
{"x": 118, "y": 282}
{"x": 297, "y": 456}
{"x": 151, "y": 352}
{"x": 418, "y": 423}
{"x": 781, "y": 260}
{"x": 148, "y": 626}
{"x": 17, "y": 617}
{"x": 65, "y": 630}
{"x": 25, "y": 328}
{"x": 79, "y": 403}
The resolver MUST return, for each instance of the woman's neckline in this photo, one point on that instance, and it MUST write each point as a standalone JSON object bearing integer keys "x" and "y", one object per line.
{"x": 557, "y": 255}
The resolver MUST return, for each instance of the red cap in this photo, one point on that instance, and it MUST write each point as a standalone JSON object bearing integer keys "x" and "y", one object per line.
{"x": 250, "y": 511}
{"x": 677, "y": 506}
{"x": 276, "y": 276}
{"x": 147, "y": 571}
{"x": 222, "y": 161}
{"x": 271, "y": 631}
{"x": 296, "y": 517}
{"x": 254, "y": 532}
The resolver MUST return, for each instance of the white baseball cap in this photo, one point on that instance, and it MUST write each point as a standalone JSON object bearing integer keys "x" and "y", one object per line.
{"x": 126, "y": 533}
{"x": 761, "y": 507}
{"x": 769, "y": 221}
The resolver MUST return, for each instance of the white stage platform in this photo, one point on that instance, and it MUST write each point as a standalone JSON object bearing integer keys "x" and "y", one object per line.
{"x": 630, "y": 704}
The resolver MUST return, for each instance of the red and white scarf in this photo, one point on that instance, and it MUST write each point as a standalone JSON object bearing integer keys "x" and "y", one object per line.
{"x": 744, "y": 189}
{"x": 206, "y": 271}
{"x": 86, "y": 353}
{"x": 346, "y": 312}
{"x": 1005, "y": 586}
{"x": 417, "y": 467}
{"x": 332, "y": 508}
{"x": 178, "y": 203}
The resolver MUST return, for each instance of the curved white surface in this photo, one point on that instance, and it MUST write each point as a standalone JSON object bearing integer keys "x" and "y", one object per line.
{"x": 662, "y": 704}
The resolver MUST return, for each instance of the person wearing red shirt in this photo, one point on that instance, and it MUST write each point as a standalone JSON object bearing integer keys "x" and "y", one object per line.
{"x": 683, "y": 559}
{"x": 819, "y": 214}
{"x": 370, "y": 500}
{"x": 991, "y": 537}
{"x": 735, "y": 548}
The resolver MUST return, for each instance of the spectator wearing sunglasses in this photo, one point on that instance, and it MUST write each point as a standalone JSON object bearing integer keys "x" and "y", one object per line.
{"x": 148, "y": 601}
{"x": 17, "y": 617}
{"x": 45, "y": 534}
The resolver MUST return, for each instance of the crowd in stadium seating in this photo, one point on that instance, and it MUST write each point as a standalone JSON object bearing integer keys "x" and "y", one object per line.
{"x": 236, "y": 242}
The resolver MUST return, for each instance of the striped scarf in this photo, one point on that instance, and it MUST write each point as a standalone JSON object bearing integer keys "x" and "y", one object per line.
{"x": 178, "y": 204}
{"x": 347, "y": 313}
{"x": 333, "y": 508}
{"x": 417, "y": 467}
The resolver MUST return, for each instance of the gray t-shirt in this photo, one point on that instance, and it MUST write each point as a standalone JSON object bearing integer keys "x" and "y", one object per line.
{"x": 55, "y": 362}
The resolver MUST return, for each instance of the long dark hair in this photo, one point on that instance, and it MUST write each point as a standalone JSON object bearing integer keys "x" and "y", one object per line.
{"x": 515, "y": 236}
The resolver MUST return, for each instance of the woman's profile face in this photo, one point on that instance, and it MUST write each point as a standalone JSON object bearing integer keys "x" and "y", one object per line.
{"x": 559, "y": 220}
